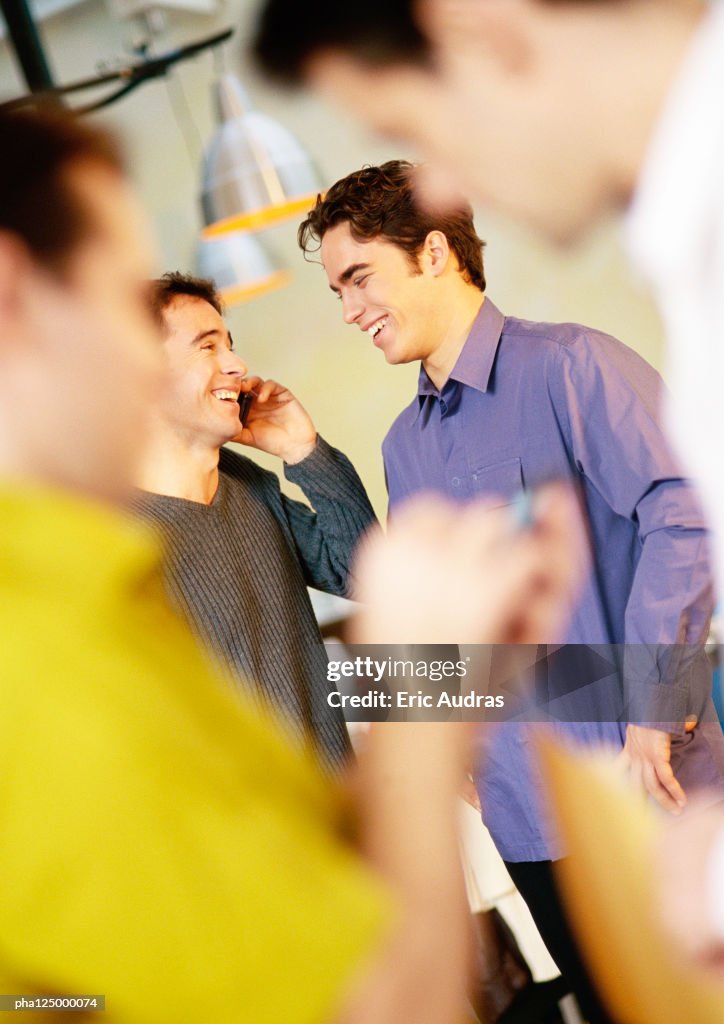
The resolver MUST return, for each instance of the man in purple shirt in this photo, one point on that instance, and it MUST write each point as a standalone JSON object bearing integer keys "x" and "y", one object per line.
{"x": 505, "y": 405}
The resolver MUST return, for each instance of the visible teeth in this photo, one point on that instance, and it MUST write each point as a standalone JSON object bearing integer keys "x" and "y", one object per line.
{"x": 226, "y": 395}
{"x": 377, "y": 327}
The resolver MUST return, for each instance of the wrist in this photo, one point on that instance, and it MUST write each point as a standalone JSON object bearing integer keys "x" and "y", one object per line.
{"x": 299, "y": 451}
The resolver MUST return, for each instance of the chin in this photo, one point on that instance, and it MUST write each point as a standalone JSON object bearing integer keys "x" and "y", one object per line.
{"x": 569, "y": 225}
{"x": 567, "y": 235}
{"x": 394, "y": 357}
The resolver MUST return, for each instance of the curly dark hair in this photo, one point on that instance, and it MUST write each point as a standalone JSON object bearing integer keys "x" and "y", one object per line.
{"x": 379, "y": 202}
{"x": 165, "y": 289}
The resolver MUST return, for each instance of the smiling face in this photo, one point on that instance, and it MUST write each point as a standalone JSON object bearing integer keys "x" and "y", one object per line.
{"x": 383, "y": 294}
{"x": 203, "y": 378}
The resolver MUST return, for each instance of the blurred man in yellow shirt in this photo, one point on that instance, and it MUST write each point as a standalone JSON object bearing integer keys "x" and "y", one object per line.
{"x": 160, "y": 845}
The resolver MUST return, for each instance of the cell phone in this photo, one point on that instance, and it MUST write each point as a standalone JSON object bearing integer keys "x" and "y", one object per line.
{"x": 245, "y": 403}
{"x": 522, "y": 511}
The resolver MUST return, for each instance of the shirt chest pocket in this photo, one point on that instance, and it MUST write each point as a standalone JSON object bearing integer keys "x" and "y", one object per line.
{"x": 501, "y": 481}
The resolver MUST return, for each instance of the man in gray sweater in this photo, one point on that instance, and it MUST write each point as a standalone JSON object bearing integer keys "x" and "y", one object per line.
{"x": 240, "y": 554}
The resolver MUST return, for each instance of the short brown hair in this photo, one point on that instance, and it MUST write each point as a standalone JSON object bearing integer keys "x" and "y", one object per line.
{"x": 379, "y": 202}
{"x": 378, "y": 32}
{"x": 174, "y": 284}
{"x": 38, "y": 203}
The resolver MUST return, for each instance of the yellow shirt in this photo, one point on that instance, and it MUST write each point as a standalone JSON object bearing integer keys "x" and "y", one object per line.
{"x": 159, "y": 843}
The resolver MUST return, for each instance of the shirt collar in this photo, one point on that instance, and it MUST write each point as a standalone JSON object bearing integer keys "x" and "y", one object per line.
{"x": 475, "y": 363}
{"x": 684, "y": 159}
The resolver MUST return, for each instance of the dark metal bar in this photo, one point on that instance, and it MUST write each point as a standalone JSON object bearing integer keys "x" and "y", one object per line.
{"x": 29, "y": 50}
{"x": 131, "y": 76}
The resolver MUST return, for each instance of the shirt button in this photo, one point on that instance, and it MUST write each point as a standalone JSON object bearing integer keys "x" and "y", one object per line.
{"x": 456, "y": 481}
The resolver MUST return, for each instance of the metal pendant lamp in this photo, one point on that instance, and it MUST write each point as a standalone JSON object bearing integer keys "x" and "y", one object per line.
{"x": 255, "y": 172}
{"x": 239, "y": 266}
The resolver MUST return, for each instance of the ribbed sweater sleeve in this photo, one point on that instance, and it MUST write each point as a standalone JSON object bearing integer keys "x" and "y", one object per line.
{"x": 327, "y": 535}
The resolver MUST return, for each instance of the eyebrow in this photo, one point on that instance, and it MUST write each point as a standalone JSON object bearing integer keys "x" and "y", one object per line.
{"x": 348, "y": 273}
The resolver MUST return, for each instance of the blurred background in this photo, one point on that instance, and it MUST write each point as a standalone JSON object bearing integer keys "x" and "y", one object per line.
{"x": 295, "y": 333}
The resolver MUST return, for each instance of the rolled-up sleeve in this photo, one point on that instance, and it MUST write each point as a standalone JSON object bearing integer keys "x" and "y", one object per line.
{"x": 618, "y": 443}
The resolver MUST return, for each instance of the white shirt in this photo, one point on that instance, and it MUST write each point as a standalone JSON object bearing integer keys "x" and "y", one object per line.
{"x": 675, "y": 235}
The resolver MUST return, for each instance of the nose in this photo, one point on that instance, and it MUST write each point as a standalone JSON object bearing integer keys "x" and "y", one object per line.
{"x": 234, "y": 365}
{"x": 352, "y": 308}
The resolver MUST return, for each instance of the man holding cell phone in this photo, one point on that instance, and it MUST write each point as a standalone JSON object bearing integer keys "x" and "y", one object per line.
{"x": 240, "y": 553}
{"x": 504, "y": 405}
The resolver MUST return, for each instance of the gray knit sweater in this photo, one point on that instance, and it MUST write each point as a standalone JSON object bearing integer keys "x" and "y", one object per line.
{"x": 239, "y": 568}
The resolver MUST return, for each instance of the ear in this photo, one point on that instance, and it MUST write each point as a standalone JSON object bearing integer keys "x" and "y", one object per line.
{"x": 497, "y": 32}
{"x": 436, "y": 253}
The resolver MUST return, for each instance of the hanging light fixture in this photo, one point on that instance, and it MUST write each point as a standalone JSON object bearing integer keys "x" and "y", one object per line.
{"x": 255, "y": 172}
{"x": 239, "y": 266}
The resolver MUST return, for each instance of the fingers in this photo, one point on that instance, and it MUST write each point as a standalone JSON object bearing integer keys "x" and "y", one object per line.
{"x": 502, "y": 584}
{"x": 661, "y": 786}
{"x": 552, "y": 556}
{"x": 251, "y": 384}
{"x": 667, "y": 781}
{"x": 559, "y": 529}
{"x": 263, "y": 389}
{"x": 646, "y": 757}
{"x": 636, "y": 776}
{"x": 267, "y": 389}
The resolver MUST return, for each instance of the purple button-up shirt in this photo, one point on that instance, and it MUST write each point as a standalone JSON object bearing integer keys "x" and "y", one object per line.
{"x": 527, "y": 403}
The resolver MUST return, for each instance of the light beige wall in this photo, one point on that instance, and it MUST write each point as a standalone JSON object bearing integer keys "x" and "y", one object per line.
{"x": 297, "y": 335}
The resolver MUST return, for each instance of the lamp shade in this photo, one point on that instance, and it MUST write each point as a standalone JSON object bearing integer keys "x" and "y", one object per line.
{"x": 239, "y": 266}
{"x": 255, "y": 172}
